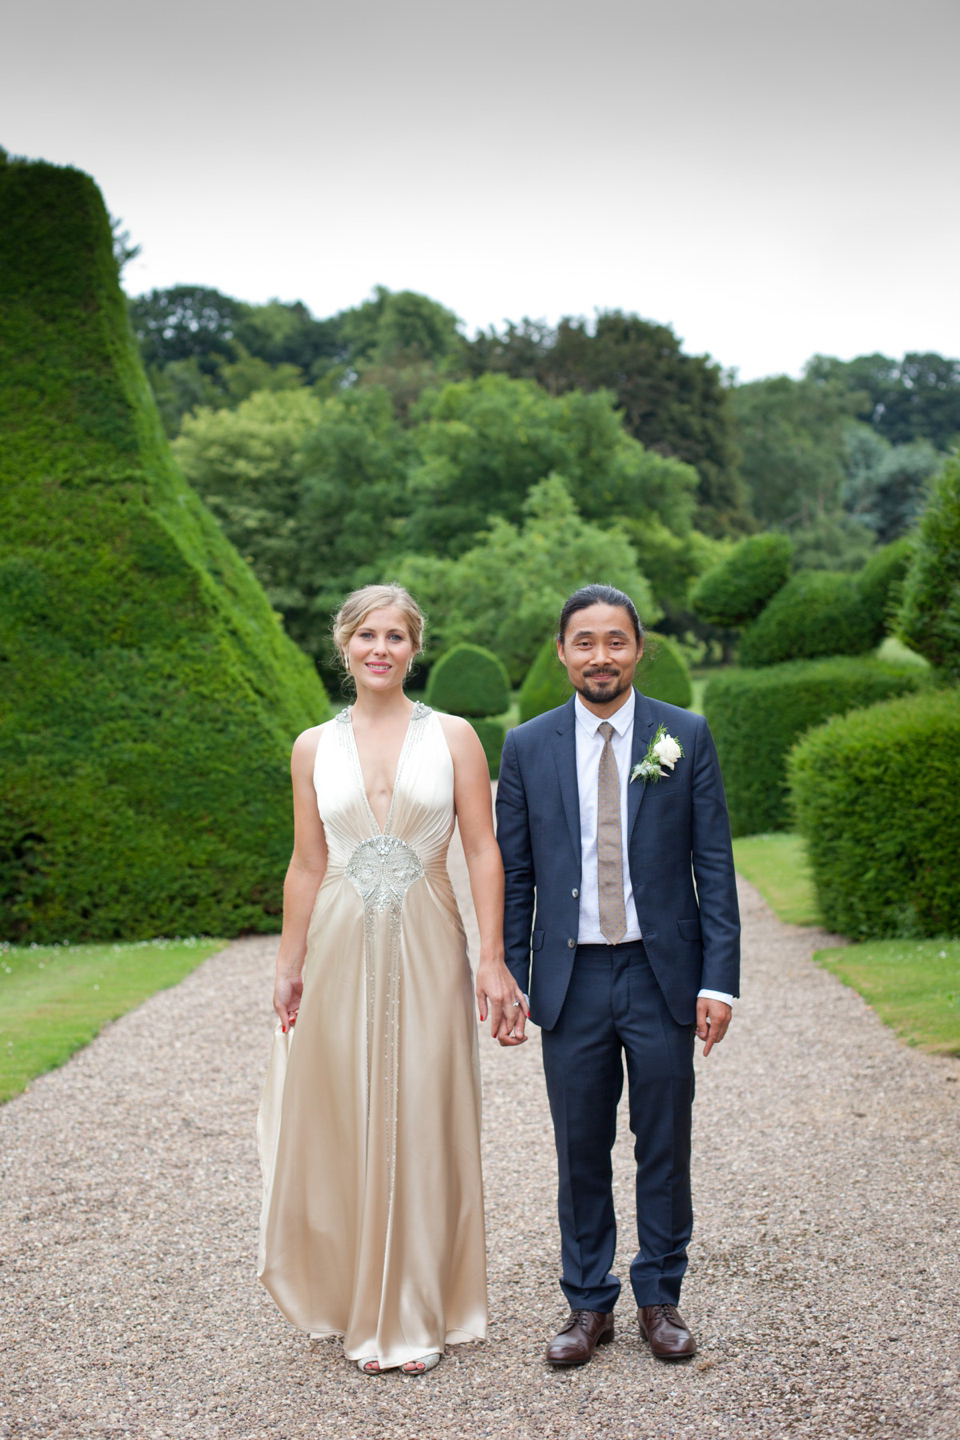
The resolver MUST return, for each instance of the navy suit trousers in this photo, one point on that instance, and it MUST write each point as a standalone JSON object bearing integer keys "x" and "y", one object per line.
{"x": 614, "y": 1009}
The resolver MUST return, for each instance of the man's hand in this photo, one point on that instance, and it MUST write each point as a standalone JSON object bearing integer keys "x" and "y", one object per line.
{"x": 713, "y": 1017}
{"x": 498, "y": 995}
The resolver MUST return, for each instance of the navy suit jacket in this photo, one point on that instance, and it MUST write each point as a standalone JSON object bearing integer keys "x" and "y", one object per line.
{"x": 681, "y": 860}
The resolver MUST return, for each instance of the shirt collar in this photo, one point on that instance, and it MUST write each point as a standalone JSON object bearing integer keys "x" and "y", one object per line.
{"x": 621, "y": 720}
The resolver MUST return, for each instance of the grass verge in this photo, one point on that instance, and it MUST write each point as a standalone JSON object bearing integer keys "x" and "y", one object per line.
{"x": 55, "y": 998}
{"x": 777, "y": 865}
{"x": 913, "y": 985}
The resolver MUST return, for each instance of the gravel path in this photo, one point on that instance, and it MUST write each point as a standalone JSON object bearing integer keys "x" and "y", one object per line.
{"x": 824, "y": 1283}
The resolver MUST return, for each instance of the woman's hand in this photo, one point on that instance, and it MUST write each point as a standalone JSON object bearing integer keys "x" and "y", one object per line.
{"x": 499, "y": 995}
{"x": 286, "y": 999}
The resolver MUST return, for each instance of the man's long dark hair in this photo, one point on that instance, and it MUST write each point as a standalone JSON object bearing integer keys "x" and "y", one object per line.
{"x": 589, "y": 595}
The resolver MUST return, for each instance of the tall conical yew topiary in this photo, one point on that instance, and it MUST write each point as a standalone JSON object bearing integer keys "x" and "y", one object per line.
{"x": 149, "y": 695}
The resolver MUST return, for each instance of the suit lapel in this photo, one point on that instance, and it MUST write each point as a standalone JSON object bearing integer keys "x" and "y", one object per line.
{"x": 644, "y": 728}
{"x": 565, "y": 758}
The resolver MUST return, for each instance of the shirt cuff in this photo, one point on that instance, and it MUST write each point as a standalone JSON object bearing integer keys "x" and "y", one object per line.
{"x": 716, "y": 995}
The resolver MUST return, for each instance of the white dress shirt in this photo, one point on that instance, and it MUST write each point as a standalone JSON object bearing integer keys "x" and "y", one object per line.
{"x": 589, "y": 749}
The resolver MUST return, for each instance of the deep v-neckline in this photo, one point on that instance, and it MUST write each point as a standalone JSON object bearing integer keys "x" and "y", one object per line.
{"x": 417, "y": 713}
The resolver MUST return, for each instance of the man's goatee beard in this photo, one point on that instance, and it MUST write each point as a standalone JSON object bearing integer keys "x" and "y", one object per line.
{"x": 600, "y": 697}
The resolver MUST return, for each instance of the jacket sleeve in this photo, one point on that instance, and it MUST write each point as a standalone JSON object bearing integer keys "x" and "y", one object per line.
{"x": 713, "y": 871}
{"x": 513, "y": 837}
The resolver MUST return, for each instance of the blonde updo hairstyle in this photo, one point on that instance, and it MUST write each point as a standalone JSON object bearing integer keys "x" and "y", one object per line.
{"x": 361, "y": 603}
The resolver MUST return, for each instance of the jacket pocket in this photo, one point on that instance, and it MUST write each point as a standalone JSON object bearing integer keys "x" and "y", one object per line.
{"x": 536, "y": 940}
{"x": 689, "y": 929}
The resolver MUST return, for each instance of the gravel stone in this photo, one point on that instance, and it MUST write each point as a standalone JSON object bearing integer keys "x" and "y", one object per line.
{"x": 824, "y": 1282}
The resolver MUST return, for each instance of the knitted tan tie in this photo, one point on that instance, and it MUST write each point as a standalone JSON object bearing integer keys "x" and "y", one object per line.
{"x": 613, "y": 914}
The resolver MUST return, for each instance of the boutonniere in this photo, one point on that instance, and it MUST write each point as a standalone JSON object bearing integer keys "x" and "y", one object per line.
{"x": 663, "y": 750}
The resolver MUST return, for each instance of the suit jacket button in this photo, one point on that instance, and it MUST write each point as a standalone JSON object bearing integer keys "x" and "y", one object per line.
{"x": 571, "y": 944}
{"x": 575, "y": 894}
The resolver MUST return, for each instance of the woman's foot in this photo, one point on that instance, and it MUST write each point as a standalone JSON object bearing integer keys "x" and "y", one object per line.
{"x": 370, "y": 1365}
{"x": 422, "y": 1364}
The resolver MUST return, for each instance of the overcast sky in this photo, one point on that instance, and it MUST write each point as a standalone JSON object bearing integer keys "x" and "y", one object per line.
{"x": 771, "y": 177}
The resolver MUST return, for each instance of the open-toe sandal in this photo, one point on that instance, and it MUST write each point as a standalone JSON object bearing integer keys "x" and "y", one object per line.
{"x": 422, "y": 1364}
{"x": 369, "y": 1365}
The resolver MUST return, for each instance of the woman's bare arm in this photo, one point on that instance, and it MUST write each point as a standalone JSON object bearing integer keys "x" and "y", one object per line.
{"x": 305, "y": 873}
{"x": 497, "y": 991}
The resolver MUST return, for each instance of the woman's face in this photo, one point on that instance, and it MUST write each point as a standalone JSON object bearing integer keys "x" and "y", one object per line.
{"x": 380, "y": 650}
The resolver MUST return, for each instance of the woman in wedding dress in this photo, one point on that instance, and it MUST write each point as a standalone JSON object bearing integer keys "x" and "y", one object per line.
{"x": 372, "y": 1223}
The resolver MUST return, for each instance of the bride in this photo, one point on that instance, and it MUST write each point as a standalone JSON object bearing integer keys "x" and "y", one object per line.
{"x": 372, "y": 1223}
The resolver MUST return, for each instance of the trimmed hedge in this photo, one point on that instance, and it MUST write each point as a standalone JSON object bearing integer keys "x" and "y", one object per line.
{"x": 470, "y": 681}
{"x": 880, "y": 584}
{"x": 929, "y": 619}
{"x": 662, "y": 673}
{"x": 492, "y": 732}
{"x": 735, "y": 591}
{"x": 875, "y": 794}
{"x": 757, "y": 715}
{"x": 546, "y": 685}
{"x": 150, "y": 697}
{"x": 818, "y": 612}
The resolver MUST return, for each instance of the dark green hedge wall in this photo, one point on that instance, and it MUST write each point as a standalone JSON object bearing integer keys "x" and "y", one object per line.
{"x": 929, "y": 617}
{"x": 876, "y": 800}
{"x": 469, "y": 680}
{"x": 757, "y": 715}
{"x": 492, "y": 732}
{"x": 736, "y": 590}
{"x": 149, "y": 695}
{"x": 880, "y": 584}
{"x": 662, "y": 672}
{"x": 818, "y": 612}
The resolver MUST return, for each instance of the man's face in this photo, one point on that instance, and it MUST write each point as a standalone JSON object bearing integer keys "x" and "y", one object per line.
{"x": 601, "y": 652}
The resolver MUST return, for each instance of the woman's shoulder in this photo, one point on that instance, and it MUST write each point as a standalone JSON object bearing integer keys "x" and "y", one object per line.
{"x": 456, "y": 730}
{"x": 305, "y": 745}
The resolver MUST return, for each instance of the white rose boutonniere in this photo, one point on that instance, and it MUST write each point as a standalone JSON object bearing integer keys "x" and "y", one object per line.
{"x": 663, "y": 751}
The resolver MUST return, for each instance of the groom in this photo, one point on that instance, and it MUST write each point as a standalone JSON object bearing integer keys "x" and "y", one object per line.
{"x": 622, "y": 923}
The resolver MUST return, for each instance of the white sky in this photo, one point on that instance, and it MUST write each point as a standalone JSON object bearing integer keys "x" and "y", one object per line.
{"x": 771, "y": 178}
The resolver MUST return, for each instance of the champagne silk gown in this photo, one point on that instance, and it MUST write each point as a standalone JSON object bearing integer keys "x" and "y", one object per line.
{"x": 369, "y": 1128}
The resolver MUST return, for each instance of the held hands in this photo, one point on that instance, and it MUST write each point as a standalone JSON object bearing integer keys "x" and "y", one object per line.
{"x": 713, "y": 1017}
{"x": 499, "y": 995}
{"x": 286, "y": 999}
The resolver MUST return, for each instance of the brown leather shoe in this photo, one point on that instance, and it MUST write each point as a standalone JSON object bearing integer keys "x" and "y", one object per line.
{"x": 666, "y": 1331}
{"x": 575, "y": 1343}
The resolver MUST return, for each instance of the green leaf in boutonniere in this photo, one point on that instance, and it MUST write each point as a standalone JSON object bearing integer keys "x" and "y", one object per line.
{"x": 663, "y": 750}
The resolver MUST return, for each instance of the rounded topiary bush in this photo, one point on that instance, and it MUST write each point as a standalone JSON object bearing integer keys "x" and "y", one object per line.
{"x": 469, "y": 680}
{"x": 735, "y": 591}
{"x": 818, "y": 612}
{"x": 546, "y": 685}
{"x": 880, "y": 584}
{"x": 875, "y": 794}
{"x": 662, "y": 672}
{"x": 755, "y": 716}
{"x": 929, "y": 618}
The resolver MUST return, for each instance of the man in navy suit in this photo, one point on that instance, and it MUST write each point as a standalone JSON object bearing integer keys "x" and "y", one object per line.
{"x": 621, "y": 922}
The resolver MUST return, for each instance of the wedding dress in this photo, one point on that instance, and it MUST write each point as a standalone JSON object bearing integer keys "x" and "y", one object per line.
{"x": 369, "y": 1128}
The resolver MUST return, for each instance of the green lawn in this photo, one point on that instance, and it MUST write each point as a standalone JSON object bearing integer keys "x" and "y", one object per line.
{"x": 777, "y": 865}
{"x": 913, "y": 985}
{"x": 55, "y": 998}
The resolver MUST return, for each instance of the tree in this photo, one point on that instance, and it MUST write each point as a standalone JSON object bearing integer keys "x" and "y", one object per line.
{"x": 507, "y": 591}
{"x": 674, "y": 404}
{"x": 309, "y": 490}
{"x": 916, "y": 398}
{"x": 396, "y": 326}
{"x": 886, "y": 485}
{"x": 791, "y": 437}
{"x": 481, "y": 444}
